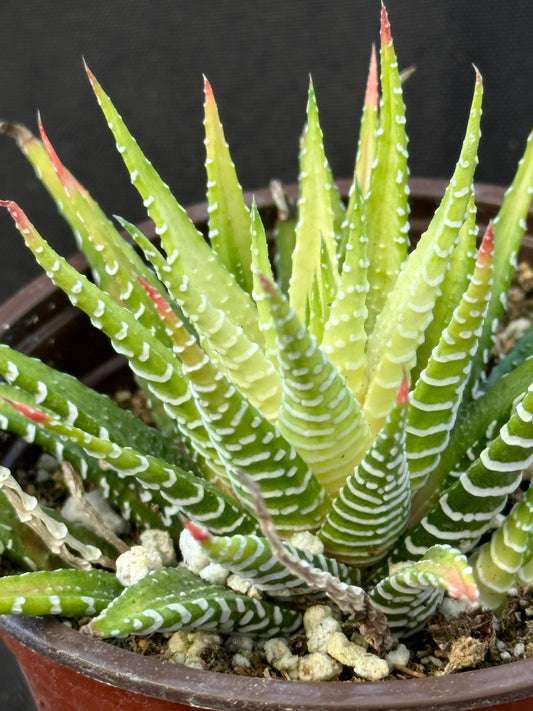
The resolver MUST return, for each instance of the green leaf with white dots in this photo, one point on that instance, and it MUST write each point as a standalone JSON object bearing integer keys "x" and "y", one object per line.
{"x": 252, "y": 558}
{"x": 174, "y": 598}
{"x": 65, "y": 592}
{"x": 316, "y": 218}
{"x": 401, "y": 324}
{"x": 344, "y": 340}
{"x": 439, "y": 390}
{"x": 387, "y": 208}
{"x": 180, "y": 239}
{"x": 229, "y": 218}
{"x": 467, "y": 509}
{"x": 497, "y": 563}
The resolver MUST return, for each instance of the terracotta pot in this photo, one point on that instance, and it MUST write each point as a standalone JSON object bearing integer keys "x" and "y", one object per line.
{"x": 67, "y": 670}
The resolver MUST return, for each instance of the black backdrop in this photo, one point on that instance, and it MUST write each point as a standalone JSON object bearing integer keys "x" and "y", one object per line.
{"x": 150, "y": 57}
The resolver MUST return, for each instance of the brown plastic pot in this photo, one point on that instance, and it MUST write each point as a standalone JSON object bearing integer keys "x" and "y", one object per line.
{"x": 67, "y": 670}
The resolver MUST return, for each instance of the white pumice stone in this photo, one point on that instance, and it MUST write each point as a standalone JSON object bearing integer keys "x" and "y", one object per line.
{"x": 307, "y": 541}
{"x": 240, "y": 585}
{"x": 450, "y": 607}
{"x": 161, "y": 542}
{"x": 239, "y": 660}
{"x": 400, "y": 656}
{"x": 281, "y": 658}
{"x": 519, "y": 649}
{"x": 365, "y": 665}
{"x": 214, "y": 573}
{"x": 318, "y": 667}
{"x": 192, "y": 552}
{"x": 319, "y": 625}
{"x": 187, "y": 647}
{"x": 135, "y": 564}
{"x": 315, "y": 614}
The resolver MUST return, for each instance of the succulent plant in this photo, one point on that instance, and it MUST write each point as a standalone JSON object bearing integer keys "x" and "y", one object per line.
{"x": 326, "y": 426}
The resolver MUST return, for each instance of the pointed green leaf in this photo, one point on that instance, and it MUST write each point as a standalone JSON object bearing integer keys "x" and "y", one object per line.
{"x": 387, "y": 207}
{"x": 229, "y": 219}
{"x": 69, "y": 593}
{"x": 467, "y": 509}
{"x": 316, "y": 220}
{"x": 498, "y": 561}
{"x": 344, "y": 337}
{"x": 402, "y": 322}
{"x": 438, "y": 392}
{"x": 180, "y": 239}
{"x": 174, "y": 598}
{"x": 318, "y": 414}
{"x": 372, "y": 508}
{"x": 252, "y": 558}
{"x": 509, "y": 227}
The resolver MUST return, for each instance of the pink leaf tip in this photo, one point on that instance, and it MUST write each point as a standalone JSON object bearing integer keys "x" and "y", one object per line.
{"x": 208, "y": 90}
{"x": 385, "y": 31}
{"x": 402, "y": 396}
{"x": 28, "y": 411}
{"x": 486, "y": 249}
{"x": 199, "y": 533}
{"x": 66, "y": 179}
{"x": 372, "y": 85}
{"x": 19, "y": 217}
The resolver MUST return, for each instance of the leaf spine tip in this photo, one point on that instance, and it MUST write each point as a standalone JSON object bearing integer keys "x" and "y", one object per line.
{"x": 199, "y": 533}
{"x": 385, "y": 31}
{"x": 28, "y": 411}
{"x": 402, "y": 395}
{"x": 208, "y": 90}
{"x": 372, "y": 86}
{"x": 18, "y": 215}
{"x": 486, "y": 248}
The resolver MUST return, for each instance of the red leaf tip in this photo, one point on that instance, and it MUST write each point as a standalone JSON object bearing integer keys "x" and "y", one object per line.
{"x": 19, "y": 216}
{"x": 372, "y": 85}
{"x": 385, "y": 31}
{"x": 28, "y": 411}
{"x": 208, "y": 90}
{"x": 199, "y": 533}
{"x": 402, "y": 395}
{"x": 486, "y": 249}
{"x": 66, "y": 179}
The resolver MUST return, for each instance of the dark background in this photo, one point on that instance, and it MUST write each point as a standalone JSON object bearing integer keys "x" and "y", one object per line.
{"x": 150, "y": 57}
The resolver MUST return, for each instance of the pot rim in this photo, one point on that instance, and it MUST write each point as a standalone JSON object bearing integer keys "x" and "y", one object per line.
{"x": 159, "y": 678}
{"x": 162, "y": 679}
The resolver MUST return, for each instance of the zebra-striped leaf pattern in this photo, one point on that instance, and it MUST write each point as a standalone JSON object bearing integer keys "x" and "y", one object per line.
{"x": 65, "y": 592}
{"x": 497, "y": 563}
{"x": 412, "y": 594}
{"x": 174, "y": 598}
{"x": 252, "y": 558}
{"x": 373, "y": 506}
{"x": 438, "y": 392}
{"x": 318, "y": 414}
